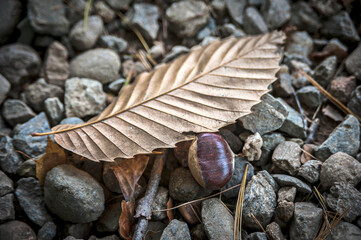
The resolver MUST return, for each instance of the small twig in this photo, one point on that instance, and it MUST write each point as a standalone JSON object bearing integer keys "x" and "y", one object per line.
{"x": 198, "y": 200}
{"x": 144, "y": 208}
{"x": 304, "y": 120}
{"x": 312, "y": 130}
{"x": 259, "y": 224}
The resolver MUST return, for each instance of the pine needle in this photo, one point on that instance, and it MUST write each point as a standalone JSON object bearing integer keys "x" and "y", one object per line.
{"x": 136, "y": 31}
{"x": 337, "y": 103}
{"x": 237, "y": 230}
{"x": 86, "y": 14}
{"x": 258, "y": 223}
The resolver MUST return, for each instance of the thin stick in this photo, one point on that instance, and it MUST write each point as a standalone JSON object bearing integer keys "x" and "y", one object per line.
{"x": 304, "y": 120}
{"x": 144, "y": 208}
{"x": 312, "y": 130}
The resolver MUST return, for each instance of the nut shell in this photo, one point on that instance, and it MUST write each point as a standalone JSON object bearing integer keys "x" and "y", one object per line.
{"x": 211, "y": 161}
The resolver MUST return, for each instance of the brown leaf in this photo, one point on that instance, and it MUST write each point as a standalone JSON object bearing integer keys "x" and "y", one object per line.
{"x": 54, "y": 156}
{"x": 202, "y": 91}
{"x": 128, "y": 172}
{"x": 126, "y": 220}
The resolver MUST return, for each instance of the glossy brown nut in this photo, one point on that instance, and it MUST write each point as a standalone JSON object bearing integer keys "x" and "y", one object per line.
{"x": 211, "y": 161}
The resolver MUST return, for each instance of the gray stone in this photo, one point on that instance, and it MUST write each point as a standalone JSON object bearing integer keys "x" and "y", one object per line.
{"x": 116, "y": 85}
{"x": 16, "y": 111}
{"x": 253, "y": 21}
{"x": 285, "y": 210}
{"x": 287, "y": 194}
{"x": 16, "y": 230}
{"x": 353, "y": 62}
{"x": 7, "y": 211}
{"x": 293, "y": 124}
{"x": 31, "y": 199}
{"x": 176, "y": 230}
{"x": 287, "y": 156}
{"x": 18, "y": 62}
{"x": 145, "y": 17}
{"x": 228, "y": 29}
{"x": 345, "y": 231}
{"x": 182, "y": 186}
{"x": 325, "y": 71}
{"x": 266, "y": 116}
{"x": 113, "y": 42}
{"x": 111, "y": 237}
{"x": 198, "y": 232}
{"x": 304, "y": 17}
{"x": 27, "y": 168}
{"x": 238, "y": 173}
{"x": 186, "y": 18}
{"x": 83, "y": 97}
{"x": 326, "y": 8}
{"x": 336, "y": 47}
{"x": 10, "y": 160}
{"x": 109, "y": 220}
{"x": 48, "y": 17}
{"x": 38, "y": 92}
{"x": 257, "y": 236}
{"x": 23, "y": 141}
{"x": 217, "y": 221}
{"x": 252, "y": 147}
{"x": 288, "y": 181}
{"x": 27, "y": 32}
{"x": 104, "y": 11}
{"x": 233, "y": 141}
{"x": 79, "y": 231}
{"x": 98, "y": 64}
{"x": 342, "y": 197}
{"x": 6, "y": 184}
{"x": 274, "y": 231}
{"x": 283, "y": 87}
{"x": 56, "y": 66}
{"x": 4, "y": 88}
{"x": 310, "y": 171}
{"x": 340, "y": 167}
{"x": 73, "y": 194}
{"x": 340, "y": 26}
{"x": 259, "y": 200}
{"x": 175, "y": 52}
{"x": 109, "y": 179}
{"x": 344, "y": 138}
{"x": 355, "y": 102}
{"x": 155, "y": 230}
{"x": 47, "y": 231}
{"x": 71, "y": 120}
{"x": 119, "y": 4}
{"x": 160, "y": 202}
{"x": 10, "y": 12}
{"x": 276, "y": 13}
{"x": 300, "y": 45}
{"x": 74, "y": 10}
{"x": 82, "y": 39}
{"x": 342, "y": 87}
{"x": 306, "y": 221}
{"x": 310, "y": 96}
{"x": 54, "y": 109}
{"x": 270, "y": 142}
{"x": 236, "y": 9}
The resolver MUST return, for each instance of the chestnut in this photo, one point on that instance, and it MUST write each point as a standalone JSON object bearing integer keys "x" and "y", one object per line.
{"x": 211, "y": 161}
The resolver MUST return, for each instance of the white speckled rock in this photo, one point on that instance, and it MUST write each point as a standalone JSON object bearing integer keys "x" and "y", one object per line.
{"x": 83, "y": 97}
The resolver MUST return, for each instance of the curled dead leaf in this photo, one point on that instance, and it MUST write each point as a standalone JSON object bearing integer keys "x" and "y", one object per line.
{"x": 54, "y": 156}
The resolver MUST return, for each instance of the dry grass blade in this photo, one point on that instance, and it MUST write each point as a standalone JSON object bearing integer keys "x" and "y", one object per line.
{"x": 337, "y": 103}
{"x": 202, "y": 91}
{"x": 323, "y": 204}
{"x": 237, "y": 230}
{"x": 86, "y": 14}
